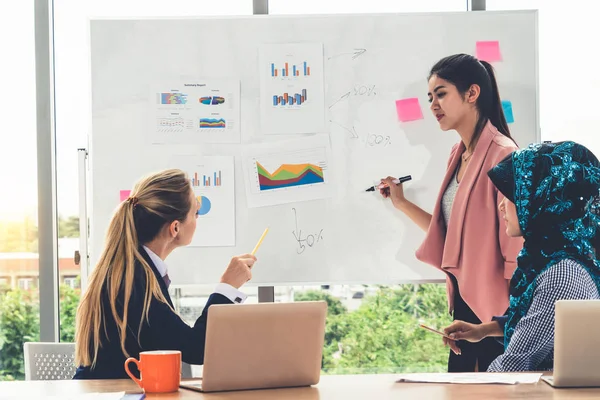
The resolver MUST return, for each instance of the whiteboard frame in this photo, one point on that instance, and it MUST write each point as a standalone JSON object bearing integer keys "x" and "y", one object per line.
{"x": 267, "y": 291}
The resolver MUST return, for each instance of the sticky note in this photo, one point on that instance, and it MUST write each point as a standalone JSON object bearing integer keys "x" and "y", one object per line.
{"x": 488, "y": 51}
{"x": 124, "y": 194}
{"x": 409, "y": 109}
{"x": 508, "y": 113}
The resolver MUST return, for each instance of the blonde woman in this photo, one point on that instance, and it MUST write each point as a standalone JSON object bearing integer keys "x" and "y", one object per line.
{"x": 127, "y": 308}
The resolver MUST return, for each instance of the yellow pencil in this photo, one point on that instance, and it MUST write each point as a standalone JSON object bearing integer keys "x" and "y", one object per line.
{"x": 260, "y": 241}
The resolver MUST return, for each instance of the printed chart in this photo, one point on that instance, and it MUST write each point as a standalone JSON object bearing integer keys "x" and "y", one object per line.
{"x": 212, "y": 179}
{"x": 205, "y": 112}
{"x": 291, "y": 84}
{"x": 287, "y": 172}
{"x": 290, "y": 175}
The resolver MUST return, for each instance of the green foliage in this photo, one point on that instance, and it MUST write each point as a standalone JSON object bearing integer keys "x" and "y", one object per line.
{"x": 69, "y": 300}
{"x": 69, "y": 227}
{"x": 20, "y": 323}
{"x": 383, "y": 335}
{"x": 334, "y": 305}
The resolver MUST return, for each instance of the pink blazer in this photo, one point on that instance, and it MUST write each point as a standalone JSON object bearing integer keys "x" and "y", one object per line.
{"x": 475, "y": 247}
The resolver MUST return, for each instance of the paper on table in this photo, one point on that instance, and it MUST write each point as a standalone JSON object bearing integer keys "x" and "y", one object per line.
{"x": 472, "y": 378}
{"x": 79, "y": 396}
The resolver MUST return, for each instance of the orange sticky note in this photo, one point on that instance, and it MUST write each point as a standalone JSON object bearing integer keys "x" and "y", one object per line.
{"x": 409, "y": 109}
{"x": 488, "y": 51}
{"x": 124, "y": 194}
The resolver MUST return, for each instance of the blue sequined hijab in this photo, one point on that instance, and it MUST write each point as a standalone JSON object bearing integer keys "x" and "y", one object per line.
{"x": 555, "y": 188}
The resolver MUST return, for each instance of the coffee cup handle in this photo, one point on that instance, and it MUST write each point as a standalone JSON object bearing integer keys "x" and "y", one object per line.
{"x": 139, "y": 366}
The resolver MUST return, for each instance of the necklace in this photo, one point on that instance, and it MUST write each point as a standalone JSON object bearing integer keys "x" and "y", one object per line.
{"x": 465, "y": 157}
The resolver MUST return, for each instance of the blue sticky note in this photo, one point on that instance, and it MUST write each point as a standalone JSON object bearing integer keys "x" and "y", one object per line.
{"x": 508, "y": 113}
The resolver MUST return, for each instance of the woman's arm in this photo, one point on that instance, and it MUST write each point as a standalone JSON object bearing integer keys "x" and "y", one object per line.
{"x": 460, "y": 330}
{"x": 165, "y": 330}
{"x": 396, "y": 193}
{"x": 533, "y": 337}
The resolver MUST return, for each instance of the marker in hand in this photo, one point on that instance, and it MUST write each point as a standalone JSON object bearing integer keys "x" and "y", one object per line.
{"x": 383, "y": 185}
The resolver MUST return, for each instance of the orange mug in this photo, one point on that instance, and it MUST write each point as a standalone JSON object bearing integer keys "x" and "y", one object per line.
{"x": 160, "y": 371}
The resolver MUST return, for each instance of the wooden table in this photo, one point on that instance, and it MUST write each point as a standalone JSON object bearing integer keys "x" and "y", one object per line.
{"x": 343, "y": 387}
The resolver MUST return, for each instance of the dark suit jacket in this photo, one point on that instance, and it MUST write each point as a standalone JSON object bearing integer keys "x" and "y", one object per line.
{"x": 164, "y": 330}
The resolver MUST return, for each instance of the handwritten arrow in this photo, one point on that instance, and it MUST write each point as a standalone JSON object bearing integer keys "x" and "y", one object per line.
{"x": 355, "y": 54}
{"x": 352, "y": 131}
{"x": 341, "y": 98}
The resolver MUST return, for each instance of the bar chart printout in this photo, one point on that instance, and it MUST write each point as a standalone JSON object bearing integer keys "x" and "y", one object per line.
{"x": 296, "y": 70}
{"x": 212, "y": 180}
{"x": 289, "y": 99}
{"x": 292, "y": 88}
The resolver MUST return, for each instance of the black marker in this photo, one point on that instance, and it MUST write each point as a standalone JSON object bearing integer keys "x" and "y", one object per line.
{"x": 396, "y": 181}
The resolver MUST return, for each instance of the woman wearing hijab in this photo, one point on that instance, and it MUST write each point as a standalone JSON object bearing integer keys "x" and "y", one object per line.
{"x": 552, "y": 200}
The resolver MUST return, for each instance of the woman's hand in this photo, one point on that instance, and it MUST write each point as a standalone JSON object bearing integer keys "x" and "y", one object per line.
{"x": 460, "y": 330}
{"x": 239, "y": 271}
{"x": 395, "y": 192}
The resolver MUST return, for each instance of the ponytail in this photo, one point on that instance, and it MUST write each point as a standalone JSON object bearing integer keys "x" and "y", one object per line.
{"x": 157, "y": 200}
{"x": 496, "y": 116}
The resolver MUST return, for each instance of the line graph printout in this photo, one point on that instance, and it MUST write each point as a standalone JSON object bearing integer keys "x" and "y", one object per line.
{"x": 292, "y": 96}
{"x": 288, "y": 171}
{"x": 212, "y": 180}
{"x": 205, "y": 111}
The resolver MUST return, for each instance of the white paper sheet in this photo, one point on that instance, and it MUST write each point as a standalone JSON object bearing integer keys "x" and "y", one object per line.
{"x": 287, "y": 171}
{"x": 79, "y": 396}
{"x": 292, "y": 98}
{"x": 213, "y": 182}
{"x": 201, "y": 111}
{"x": 472, "y": 378}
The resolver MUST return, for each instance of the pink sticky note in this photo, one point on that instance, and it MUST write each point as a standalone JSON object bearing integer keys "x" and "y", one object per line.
{"x": 409, "y": 109}
{"x": 488, "y": 51}
{"x": 124, "y": 194}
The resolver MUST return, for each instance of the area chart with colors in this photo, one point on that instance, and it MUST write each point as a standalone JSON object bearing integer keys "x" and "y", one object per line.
{"x": 212, "y": 123}
{"x": 289, "y": 175}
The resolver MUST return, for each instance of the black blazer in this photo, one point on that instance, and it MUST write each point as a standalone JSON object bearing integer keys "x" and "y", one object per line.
{"x": 164, "y": 330}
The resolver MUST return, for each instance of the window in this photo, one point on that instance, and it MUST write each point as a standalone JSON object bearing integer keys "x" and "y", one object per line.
{"x": 566, "y": 59}
{"x": 72, "y": 282}
{"x": 25, "y": 283}
{"x": 73, "y": 116}
{"x": 363, "y": 6}
{"x": 19, "y": 304}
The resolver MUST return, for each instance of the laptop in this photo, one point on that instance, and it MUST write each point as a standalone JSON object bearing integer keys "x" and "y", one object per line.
{"x": 262, "y": 346}
{"x": 576, "y": 344}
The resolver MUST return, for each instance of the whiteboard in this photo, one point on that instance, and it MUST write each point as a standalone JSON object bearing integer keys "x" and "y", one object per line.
{"x": 369, "y": 62}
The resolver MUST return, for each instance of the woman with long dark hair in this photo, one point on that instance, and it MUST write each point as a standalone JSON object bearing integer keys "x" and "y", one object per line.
{"x": 464, "y": 236}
